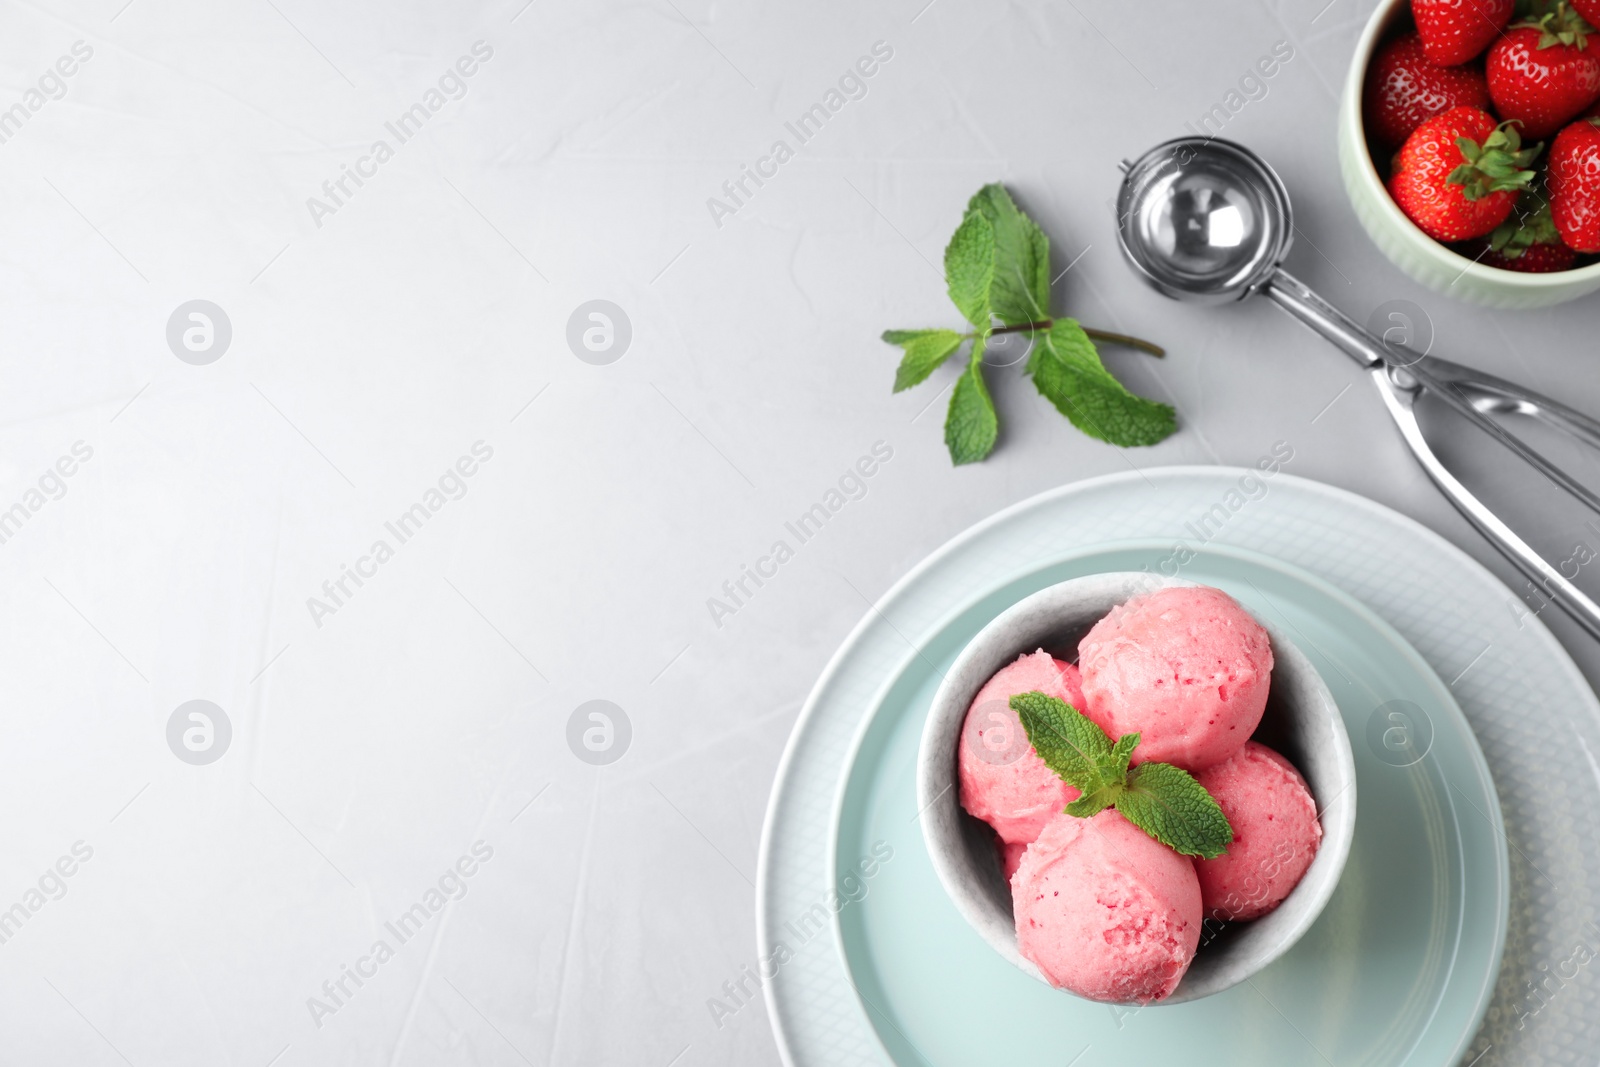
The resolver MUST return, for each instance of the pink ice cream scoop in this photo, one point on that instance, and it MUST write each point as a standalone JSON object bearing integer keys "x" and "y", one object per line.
{"x": 1106, "y": 911}
{"x": 1003, "y": 781}
{"x": 1010, "y": 856}
{"x": 1275, "y": 833}
{"x": 1186, "y": 667}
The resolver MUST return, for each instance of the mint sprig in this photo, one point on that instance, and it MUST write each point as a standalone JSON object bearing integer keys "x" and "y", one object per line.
{"x": 1162, "y": 800}
{"x": 1066, "y": 368}
{"x": 997, "y": 267}
{"x": 969, "y": 265}
{"x": 925, "y": 350}
{"x": 1021, "y": 290}
{"x": 972, "y": 425}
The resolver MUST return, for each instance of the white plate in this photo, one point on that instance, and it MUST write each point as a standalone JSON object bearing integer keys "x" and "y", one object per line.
{"x": 1536, "y": 718}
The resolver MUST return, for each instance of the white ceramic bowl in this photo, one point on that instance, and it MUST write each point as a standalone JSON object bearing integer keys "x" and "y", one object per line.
{"x": 1413, "y": 251}
{"x": 1301, "y": 721}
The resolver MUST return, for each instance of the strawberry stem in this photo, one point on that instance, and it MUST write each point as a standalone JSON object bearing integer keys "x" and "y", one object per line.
{"x": 1529, "y": 225}
{"x": 1498, "y": 165}
{"x": 1558, "y": 24}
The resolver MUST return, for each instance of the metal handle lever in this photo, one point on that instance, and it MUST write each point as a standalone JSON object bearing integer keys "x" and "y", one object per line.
{"x": 1491, "y": 394}
{"x": 1322, "y": 318}
{"x": 1473, "y": 395}
{"x": 1401, "y": 402}
{"x": 1482, "y": 392}
{"x": 1455, "y": 394}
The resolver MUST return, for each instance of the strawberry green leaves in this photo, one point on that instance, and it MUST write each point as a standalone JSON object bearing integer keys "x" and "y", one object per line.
{"x": 1500, "y": 164}
{"x": 997, "y": 267}
{"x": 1162, "y": 800}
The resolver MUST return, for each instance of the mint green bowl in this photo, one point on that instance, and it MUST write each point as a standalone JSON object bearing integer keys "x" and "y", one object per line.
{"x": 1413, "y": 251}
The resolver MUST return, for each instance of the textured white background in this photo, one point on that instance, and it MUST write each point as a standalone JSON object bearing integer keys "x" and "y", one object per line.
{"x": 372, "y": 351}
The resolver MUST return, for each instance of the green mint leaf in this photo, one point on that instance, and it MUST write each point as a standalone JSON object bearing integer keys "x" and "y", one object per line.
{"x": 997, "y": 266}
{"x": 1162, "y": 800}
{"x": 1114, "y": 764}
{"x": 1068, "y": 741}
{"x": 925, "y": 350}
{"x": 1168, "y": 804}
{"x": 969, "y": 267}
{"x": 1021, "y": 290}
{"x": 1091, "y": 804}
{"x": 1067, "y": 370}
{"x": 972, "y": 426}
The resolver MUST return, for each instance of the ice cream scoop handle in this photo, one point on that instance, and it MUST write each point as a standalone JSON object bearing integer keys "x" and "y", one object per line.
{"x": 1295, "y": 297}
{"x": 1489, "y": 393}
{"x": 1485, "y": 391}
{"x": 1459, "y": 396}
{"x": 1402, "y": 376}
{"x": 1549, "y": 582}
{"x": 1458, "y": 386}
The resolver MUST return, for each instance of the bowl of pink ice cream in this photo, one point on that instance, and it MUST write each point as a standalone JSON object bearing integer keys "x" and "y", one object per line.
{"x": 1096, "y": 906}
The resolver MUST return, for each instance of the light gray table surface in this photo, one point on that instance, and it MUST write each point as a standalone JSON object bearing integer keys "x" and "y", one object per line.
{"x": 379, "y": 337}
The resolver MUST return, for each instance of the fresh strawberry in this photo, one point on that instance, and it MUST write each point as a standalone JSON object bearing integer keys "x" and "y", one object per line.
{"x": 1405, "y": 89}
{"x": 1458, "y": 175}
{"x": 1539, "y": 259}
{"x": 1454, "y": 31}
{"x": 1543, "y": 73}
{"x": 1527, "y": 241}
{"x": 1574, "y": 180}
{"x": 1589, "y": 9}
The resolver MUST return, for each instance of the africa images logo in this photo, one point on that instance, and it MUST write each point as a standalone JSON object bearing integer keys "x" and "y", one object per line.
{"x": 852, "y": 85}
{"x": 451, "y": 85}
{"x": 450, "y": 886}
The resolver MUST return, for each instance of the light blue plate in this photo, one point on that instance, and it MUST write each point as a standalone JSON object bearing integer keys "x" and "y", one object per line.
{"x": 1397, "y": 971}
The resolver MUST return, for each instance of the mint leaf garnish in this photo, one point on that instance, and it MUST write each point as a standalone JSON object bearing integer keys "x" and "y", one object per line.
{"x": 1124, "y": 748}
{"x": 1021, "y": 290}
{"x": 1168, "y": 804}
{"x": 1162, "y": 800}
{"x": 971, "y": 427}
{"x": 969, "y": 268}
{"x": 1066, "y": 369}
{"x": 1069, "y": 742}
{"x": 1089, "y": 805}
{"x": 997, "y": 266}
{"x": 925, "y": 350}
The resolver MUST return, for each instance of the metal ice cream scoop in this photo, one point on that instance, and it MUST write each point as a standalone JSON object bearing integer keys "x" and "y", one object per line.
{"x": 1209, "y": 221}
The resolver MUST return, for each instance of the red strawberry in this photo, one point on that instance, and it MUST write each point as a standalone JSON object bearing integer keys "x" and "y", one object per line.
{"x": 1458, "y": 174}
{"x": 1575, "y": 185}
{"x": 1527, "y": 241}
{"x": 1455, "y": 31}
{"x": 1404, "y": 90}
{"x": 1543, "y": 73}
{"x": 1589, "y": 9}
{"x": 1537, "y": 259}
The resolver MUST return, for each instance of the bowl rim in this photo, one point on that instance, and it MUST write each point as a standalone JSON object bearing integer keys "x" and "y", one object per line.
{"x": 1352, "y": 120}
{"x": 1333, "y": 853}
